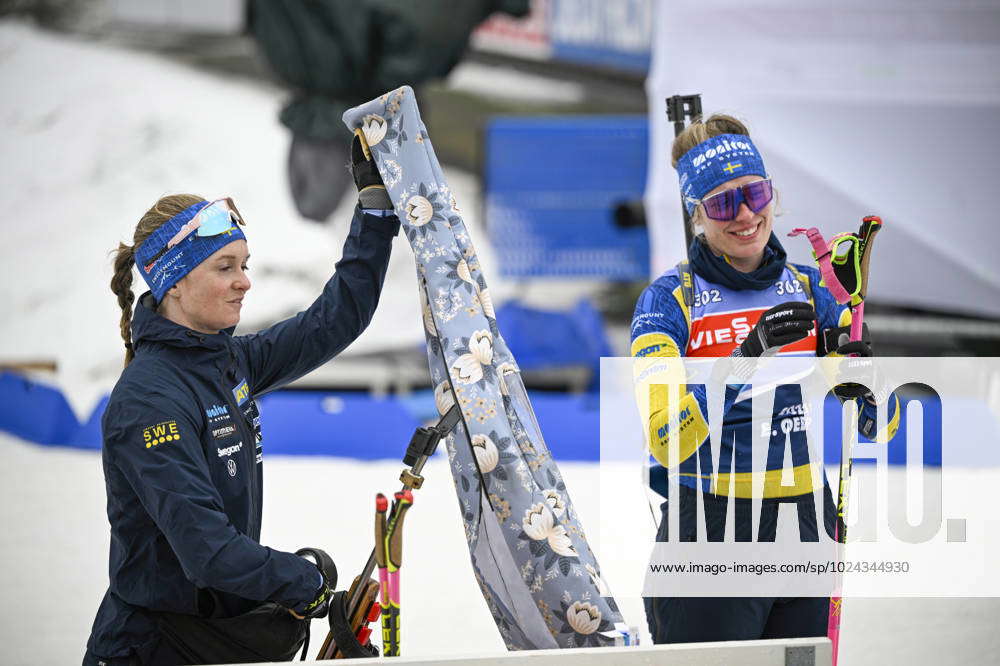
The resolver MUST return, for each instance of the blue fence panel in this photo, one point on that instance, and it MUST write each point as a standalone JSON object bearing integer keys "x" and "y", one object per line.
{"x": 352, "y": 425}
{"x": 357, "y": 425}
{"x": 35, "y": 412}
{"x": 551, "y": 185}
{"x": 931, "y": 446}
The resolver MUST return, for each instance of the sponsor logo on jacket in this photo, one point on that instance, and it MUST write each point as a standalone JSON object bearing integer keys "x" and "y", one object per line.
{"x": 224, "y": 431}
{"x": 230, "y": 450}
{"x": 719, "y": 334}
{"x": 241, "y": 392}
{"x": 166, "y": 431}
{"x": 654, "y": 344}
{"x": 217, "y": 412}
{"x": 252, "y": 415}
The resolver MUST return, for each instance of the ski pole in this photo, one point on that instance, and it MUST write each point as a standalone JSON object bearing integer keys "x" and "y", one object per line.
{"x": 422, "y": 446}
{"x": 394, "y": 561}
{"x": 844, "y": 265}
{"x": 381, "y": 506}
{"x": 870, "y": 226}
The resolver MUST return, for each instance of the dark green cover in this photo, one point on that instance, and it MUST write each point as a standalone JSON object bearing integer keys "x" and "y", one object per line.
{"x": 336, "y": 54}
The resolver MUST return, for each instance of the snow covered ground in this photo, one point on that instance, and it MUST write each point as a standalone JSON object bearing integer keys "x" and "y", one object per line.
{"x": 90, "y": 136}
{"x": 55, "y": 548}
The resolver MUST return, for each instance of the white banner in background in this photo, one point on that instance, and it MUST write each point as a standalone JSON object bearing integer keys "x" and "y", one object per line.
{"x": 889, "y": 107}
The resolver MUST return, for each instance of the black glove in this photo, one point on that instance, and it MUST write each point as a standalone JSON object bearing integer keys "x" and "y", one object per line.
{"x": 328, "y": 571}
{"x": 850, "y": 390}
{"x": 371, "y": 189}
{"x": 779, "y": 326}
{"x": 318, "y": 607}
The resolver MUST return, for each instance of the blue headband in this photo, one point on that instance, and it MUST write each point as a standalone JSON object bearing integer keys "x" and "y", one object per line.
{"x": 167, "y": 269}
{"x": 714, "y": 161}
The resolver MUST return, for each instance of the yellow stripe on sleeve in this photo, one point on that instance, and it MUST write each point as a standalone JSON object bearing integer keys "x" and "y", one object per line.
{"x": 658, "y": 371}
{"x": 655, "y": 344}
{"x": 885, "y": 436}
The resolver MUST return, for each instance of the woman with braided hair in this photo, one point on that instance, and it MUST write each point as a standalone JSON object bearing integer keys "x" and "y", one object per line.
{"x": 736, "y": 296}
{"x": 182, "y": 439}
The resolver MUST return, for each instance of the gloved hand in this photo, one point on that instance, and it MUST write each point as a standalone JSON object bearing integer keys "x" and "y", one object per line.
{"x": 874, "y": 389}
{"x": 781, "y": 325}
{"x": 371, "y": 190}
{"x": 861, "y": 348}
{"x": 328, "y": 576}
{"x": 318, "y": 607}
{"x": 850, "y": 390}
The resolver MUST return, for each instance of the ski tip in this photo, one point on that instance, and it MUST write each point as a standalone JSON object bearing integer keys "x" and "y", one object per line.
{"x": 405, "y": 496}
{"x": 381, "y": 503}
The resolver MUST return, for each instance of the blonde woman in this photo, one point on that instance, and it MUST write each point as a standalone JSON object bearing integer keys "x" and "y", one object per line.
{"x": 737, "y": 296}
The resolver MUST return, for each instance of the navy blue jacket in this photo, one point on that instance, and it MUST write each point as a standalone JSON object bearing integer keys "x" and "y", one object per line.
{"x": 182, "y": 455}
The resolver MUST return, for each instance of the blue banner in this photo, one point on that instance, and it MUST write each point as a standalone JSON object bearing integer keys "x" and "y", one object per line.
{"x": 551, "y": 185}
{"x": 616, "y": 35}
{"x": 610, "y": 35}
{"x": 340, "y": 423}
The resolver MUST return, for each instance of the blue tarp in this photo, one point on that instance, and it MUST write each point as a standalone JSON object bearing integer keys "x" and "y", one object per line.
{"x": 357, "y": 425}
{"x": 35, "y": 412}
{"x": 346, "y": 424}
{"x": 541, "y": 339}
{"x": 551, "y": 185}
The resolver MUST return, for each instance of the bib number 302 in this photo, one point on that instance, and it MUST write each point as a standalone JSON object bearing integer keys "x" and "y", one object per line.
{"x": 788, "y": 287}
{"x": 707, "y": 296}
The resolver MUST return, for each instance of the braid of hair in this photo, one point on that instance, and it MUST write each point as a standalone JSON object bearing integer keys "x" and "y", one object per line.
{"x": 121, "y": 282}
{"x": 121, "y": 286}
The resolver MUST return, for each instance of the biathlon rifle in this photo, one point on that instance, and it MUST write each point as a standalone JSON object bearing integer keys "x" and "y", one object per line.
{"x": 361, "y": 600}
{"x": 681, "y": 108}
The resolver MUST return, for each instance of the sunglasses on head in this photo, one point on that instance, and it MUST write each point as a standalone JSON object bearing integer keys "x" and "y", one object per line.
{"x": 724, "y": 206}
{"x": 218, "y": 217}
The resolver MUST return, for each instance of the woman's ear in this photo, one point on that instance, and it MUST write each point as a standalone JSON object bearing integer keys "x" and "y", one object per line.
{"x": 173, "y": 293}
{"x": 696, "y": 223}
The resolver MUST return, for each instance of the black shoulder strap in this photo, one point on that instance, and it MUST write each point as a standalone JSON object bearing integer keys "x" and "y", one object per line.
{"x": 687, "y": 282}
{"x": 340, "y": 627}
{"x": 804, "y": 281}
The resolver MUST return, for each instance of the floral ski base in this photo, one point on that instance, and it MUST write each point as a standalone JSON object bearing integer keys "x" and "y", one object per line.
{"x": 532, "y": 561}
